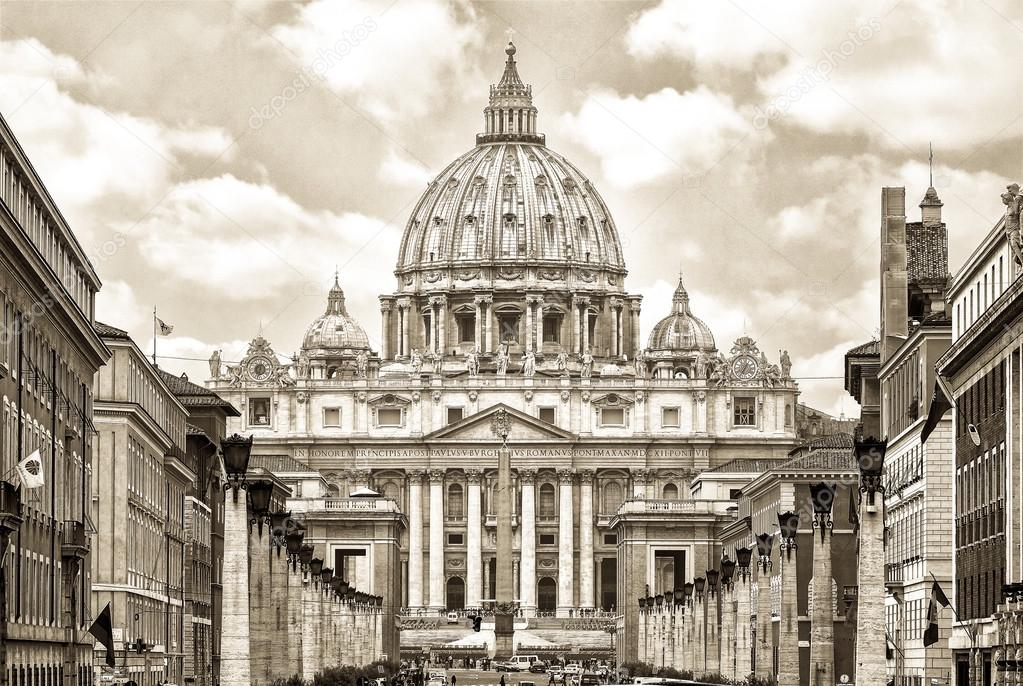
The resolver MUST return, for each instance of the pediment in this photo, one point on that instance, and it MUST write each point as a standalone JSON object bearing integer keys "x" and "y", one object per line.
{"x": 522, "y": 427}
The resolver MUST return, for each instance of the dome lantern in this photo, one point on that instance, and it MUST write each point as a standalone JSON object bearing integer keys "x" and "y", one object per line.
{"x": 510, "y": 116}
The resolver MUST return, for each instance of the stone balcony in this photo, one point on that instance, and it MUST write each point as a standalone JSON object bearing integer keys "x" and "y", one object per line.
{"x": 360, "y": 505}
{"x": 74, "y": 544}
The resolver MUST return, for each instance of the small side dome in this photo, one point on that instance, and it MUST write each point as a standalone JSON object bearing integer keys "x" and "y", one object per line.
{"x": 681, "y": 330}
{"x": 335, "y": 329}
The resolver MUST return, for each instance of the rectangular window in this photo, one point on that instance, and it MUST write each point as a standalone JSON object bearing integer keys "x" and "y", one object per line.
{"x": 508, "y": 325}
{"x": 466, "y": 328}
{"x": 734, "y": 493}
{"x": 610, "y": 539}
{"x": 548, "y": 539}
{"x": 389, "y": 416}
{"x": 332, "y": 416}
{"x": 549, "y": 415}
{"x": 455, "y": 414}
{"x": 745, "y": 412}
{"x": 552, "y": 328}
{"x": 669, "y": 417}
{"x": 456, "y": 539}
{"x": 612, "y": 416}
{"x": 259, "y": 411}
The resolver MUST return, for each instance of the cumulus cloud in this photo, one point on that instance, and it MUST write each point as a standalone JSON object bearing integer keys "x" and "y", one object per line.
{"x": 398, "y": 169}
{"x": 394, "y": 59}
{"x": 639, "y": 140}
{"x": 886, "y": 70}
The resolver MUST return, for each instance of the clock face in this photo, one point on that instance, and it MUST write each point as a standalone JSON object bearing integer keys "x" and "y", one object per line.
{"x": 744, "y": 367}
{"x": 259, "y": 369}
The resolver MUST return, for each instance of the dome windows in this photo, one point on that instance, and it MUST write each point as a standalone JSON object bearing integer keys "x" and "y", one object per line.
{"x": 509, "y": 235}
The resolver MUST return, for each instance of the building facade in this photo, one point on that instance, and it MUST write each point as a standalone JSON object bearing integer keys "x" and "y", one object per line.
{"x": 48, "y": 357}
{"x": 982, "y": 370}
{"x": 511, "y": 294}
{"x": 144, "y": 476}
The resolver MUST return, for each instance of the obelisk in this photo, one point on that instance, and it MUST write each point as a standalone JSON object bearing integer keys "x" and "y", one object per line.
{"x": 504, "y": 596}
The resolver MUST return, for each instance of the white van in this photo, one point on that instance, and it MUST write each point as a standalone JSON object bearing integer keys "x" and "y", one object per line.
{"x": 523, "y": 661}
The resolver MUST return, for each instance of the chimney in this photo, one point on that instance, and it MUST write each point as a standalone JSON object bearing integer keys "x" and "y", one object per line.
{"x": 930, "y": 208}
{"x": 894, "y": 293}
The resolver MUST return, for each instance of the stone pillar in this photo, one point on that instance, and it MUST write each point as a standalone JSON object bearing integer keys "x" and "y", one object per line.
{"x": 488, "y": 339}
{"x": 234, "y": 638}
{"x": 586, "y": 570}
{"x": 713, "y": 635}
{"x": 743, "y": 611}
{"x": 788, "y": 627}
{"x": 385, "y": 330}
{"x": 637, "y": 344}
{"x": 437, "y": 539}
{"x": 527, "y": 528}
{"x": 529, "y": 322}
{"x": 727, "y": 634}
{"x": 765, "y": 657}
{"x": 585, "y": 317}
{"x": 310, "y": 629}
{"x": 566, "y": 544}
{"x": 699, "y": 634}
{"x": 575, "y": 328}
{"x": 280, "y": 652}
{"x": 689, "y": 650}
{"x": 438, "y": 316}
{"x": 870, "y": 596}
{"x": 415, "y": 538}
{"x": 822, "y": 628}
{"x": 478, "y": 322}
{"x": 404, "y": 305}
{"x": 474, "y": 548}
{"x": 641, "y": 634}
{"x": 295, "y": 615}
{"x": 616, "y": 327}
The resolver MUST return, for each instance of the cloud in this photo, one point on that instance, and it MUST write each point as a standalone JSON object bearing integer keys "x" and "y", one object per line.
{"x": 886, "y": 70}
{"x": 394, "y": 59}
{"x": 640, "y": 140}
{"x": 117, "y": 306}
{"x": 399, "y": 169}
{"x": 97, "y": 163}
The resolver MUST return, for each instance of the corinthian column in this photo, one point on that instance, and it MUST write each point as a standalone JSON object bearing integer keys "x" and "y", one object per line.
{"x": 584, "y": 313}
{"x": 566, "y": 545}
{"x": 474, "y": 551}
{"x": 616, "y": 328}
{"x": 478, "y": 322}
{"x": 637, "y": 345}
{"x": 385, "y": 338}
{"x": 575, "y": 325}
{"x": 586, "y": 590}
{"x": 743, "y": 647}
{"x": 437, "y": 539}
{"x": 527, "y": 570}
{"x": 403, "y": 314}
{"x": 415, "y": 538}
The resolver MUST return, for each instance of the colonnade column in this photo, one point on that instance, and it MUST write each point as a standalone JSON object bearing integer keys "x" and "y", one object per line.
{"x": 584, "y": 316}
{"x": 385, "y": 338}
{"x": 529, "y": 322}
{"x": 586, "y": 590}
{"x": 441, "y": 317}
{"x": 765, "y": 642}
{"x": 474, "y": 561}
{"x": 488, "y": 337}
{"x": 437, "y": 539}
{"x": 415, "y": 538}
{"x": 637, "y": 344}
{"x": 822, "y": 617}
{"x": 534, "y": 322}
{"x": 478, "y": 326}
{"x": 575, "y": 325}
{"x": 616, "y": 309}
{"x": 743, "y": 647}
{"x": 404, "y": 305}
{"x": 527, "y": 518}
{"x": 566, "y": 544}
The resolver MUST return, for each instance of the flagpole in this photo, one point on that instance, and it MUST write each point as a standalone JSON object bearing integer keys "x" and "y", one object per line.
{"x": 973, "y": 636}
{"x": 154, "y": 335}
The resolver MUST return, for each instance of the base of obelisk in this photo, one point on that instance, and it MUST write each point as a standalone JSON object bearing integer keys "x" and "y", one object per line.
{"x": 504, "y": 636}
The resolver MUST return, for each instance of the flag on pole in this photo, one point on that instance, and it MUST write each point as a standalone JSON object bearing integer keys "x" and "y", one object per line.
{"x": 103, "y": 630}
{"x": 937, "y": 596}
{"x": 165, "y": 329}
{"x": 940, "y": 404}
{"x": 30, "y": 471}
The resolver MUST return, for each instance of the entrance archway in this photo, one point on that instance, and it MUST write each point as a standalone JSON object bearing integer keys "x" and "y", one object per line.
{"x": 456, "y": 593}
{"x": 546, "y": 594}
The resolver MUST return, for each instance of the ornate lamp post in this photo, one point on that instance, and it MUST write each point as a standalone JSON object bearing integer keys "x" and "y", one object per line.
{"x": 236, "y": 668}
{"x": 315, "y": 568}
{"x": 728, "y": 618}
{"x": 764, "y": 667}
{"x": 870, "y": 610}
{"x": 326, "y": 574}
{"x": 788, "y": 628}
{"x": 236, "y": 450}
{"x": 822, "y": 629}
{"x": 260, "y": 493}
{"x": 687, "y": 590}
{"x": 743, "y": 611}
{"x": 280, "y": 524}
{"x": 699, "y": 583}
{"x": 294, "y": 543}
{"x": 712, "y": 582}
{"x": 713, "y": 639}
{"x": 742, "y": 560}
{"x": 727, "y": 572}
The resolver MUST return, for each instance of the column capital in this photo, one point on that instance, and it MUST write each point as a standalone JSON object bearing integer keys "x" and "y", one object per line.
{"x": 527, "y": 476}
{"x": 360, "y": 474}
{"x": 642, "y": 474}
{"x": 566, "y": 476}
{"x": 416, "y": 476}
{"x": 436, "y": 476}
{"x": 578, "y": 300}
{"x": 615, "y": 303}
{"x": 533, "y": 299}
{"x": 586, "y": 476}
{"x": 474, "y": 476}
{"x": 635, "y": 305}
{"x": 485, "y": 299}
{"x": 385, "y": 306}
{"x": 404, "y": 303}
{"x": 439, "y": 300}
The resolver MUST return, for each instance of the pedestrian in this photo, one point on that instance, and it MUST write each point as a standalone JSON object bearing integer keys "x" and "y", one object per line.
{"x": 502, "y": 680}
{"x": 454, "y": 680}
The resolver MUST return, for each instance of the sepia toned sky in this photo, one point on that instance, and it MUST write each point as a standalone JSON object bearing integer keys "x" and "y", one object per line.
{"x": 218, "y": 160}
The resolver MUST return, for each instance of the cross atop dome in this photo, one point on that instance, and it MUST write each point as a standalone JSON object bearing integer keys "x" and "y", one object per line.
{"x": 510, "y": 116}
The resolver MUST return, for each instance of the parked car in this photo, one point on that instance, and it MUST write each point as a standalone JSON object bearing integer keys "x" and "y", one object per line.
{"x": 538, "y": 667}
{"x": 573, "y": 668}
{"x": 506, "y": 667}
{"x": 589, "y": 679}
{"x": 452, "y": 618}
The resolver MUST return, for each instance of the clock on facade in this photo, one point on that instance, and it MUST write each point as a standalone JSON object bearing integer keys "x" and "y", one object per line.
{"x": 260, "y": 368}
{"x": 745, "y": 367}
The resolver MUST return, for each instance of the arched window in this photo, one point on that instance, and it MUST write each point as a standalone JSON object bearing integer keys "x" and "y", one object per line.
{"x": 391, "y": 491}
{"x": 612, "y": 497}
{"x": 333, "y": 491}
{"x": 456, "y": 503}
{"x": 456, "y": 593}
{"x": 546, "y": 594}
{"x": 670, "y": 492}
{"x": 548, "y": 506}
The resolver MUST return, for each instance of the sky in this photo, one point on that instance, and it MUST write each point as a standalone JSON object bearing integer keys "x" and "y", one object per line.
{"x": 219, "y": 160}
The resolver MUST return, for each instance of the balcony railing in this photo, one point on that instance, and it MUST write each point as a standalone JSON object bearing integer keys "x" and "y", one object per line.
{"x": 343, "y": 505}
{"x": 73, "y": 541}
{"x": 10, "y": 507}
{"x": 686, "y": 506}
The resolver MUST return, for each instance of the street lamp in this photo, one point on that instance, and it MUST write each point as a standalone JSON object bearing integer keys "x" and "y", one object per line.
{"x": 823, "y": 497}
{"x": 326, "y": 573}
{"x": 698, "y": 584}
{"x": 764, "y": 544}
{"x": 687, "y": 589}
{"x": 712, "y": 582}
{"x": 788, "y": 522}
{"x": 870, "y": 458}
{"x": 680, "y": 596}
{"x": 260, "y": 493}
{"x": 743, "y": 557}
{"x": 642, "y": 604}
{"x": 236, "y": 450}
{"x": 294, "y": 541}
{"x": 315, "y": 567}
{"x": 727, "y": 572}
{"x": 280, "y": 525}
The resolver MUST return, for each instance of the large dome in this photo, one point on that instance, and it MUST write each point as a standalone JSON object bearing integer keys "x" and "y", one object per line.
{"x": 335, "y": 329}
{"x": 680, "y": 331}
{"x": 510, "y": 201}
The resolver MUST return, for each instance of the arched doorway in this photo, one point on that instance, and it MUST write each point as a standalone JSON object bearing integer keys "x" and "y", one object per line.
{"x": 546, "y": 594}
{"x": 456, "y": 593}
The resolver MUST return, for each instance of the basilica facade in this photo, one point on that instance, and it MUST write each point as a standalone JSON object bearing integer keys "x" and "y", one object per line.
{"x": 511, "y": 294}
